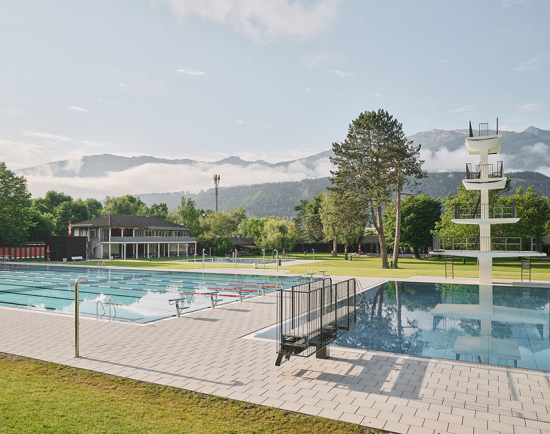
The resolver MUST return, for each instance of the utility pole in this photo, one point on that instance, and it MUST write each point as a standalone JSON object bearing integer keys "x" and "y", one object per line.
{"x": 216, "y": 182}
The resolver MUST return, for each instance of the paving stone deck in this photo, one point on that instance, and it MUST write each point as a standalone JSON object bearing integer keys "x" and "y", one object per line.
{"x": 206, "y": 352}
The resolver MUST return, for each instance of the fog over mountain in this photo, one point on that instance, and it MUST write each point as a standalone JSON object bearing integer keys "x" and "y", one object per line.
{"x": 101, "y": 175}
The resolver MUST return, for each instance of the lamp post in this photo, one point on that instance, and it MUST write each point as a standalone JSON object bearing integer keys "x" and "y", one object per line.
{"x": 263, "y": 253}
{"x": 202, "y": 258}
{"x": 313, "y": 250}
{"x": 76, "y": 317}
{"x": 277, "y": 259}
{"x": 235, "y": 258}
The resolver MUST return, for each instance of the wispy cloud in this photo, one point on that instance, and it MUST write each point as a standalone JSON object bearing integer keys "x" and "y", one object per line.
{"x": 510, "y": 3}
{"x": 378, "y": 95}
{"x": 530, "y": 107}
{"x": 532, "y": 64}
{"x": 80, "y": 109}
{"x": 190, "y": 71}
{"x": 538, "y": 148}
{"x": 239, "y": 122}
{"x": 263, "y": 18}
{"x": 342, "y": 73}
{"x": 48, "y": 136}
{"x": 463, "y": 109}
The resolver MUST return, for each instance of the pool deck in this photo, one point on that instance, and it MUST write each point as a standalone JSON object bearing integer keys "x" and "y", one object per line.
{"x": 205, "y": 352}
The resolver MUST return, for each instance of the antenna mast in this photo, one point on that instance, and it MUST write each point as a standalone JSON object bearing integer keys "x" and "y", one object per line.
{"x": 216, "y": 183}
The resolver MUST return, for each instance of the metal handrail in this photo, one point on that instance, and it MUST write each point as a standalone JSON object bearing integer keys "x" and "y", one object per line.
{"x": 112, "y": 302}
{"x": 99, "y": 302}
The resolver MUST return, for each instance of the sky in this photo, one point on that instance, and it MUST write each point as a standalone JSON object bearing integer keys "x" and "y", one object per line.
{"x": 260, "y": 79}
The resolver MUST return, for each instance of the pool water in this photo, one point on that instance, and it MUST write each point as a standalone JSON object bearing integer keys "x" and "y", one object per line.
{"x": 498, "y": 325}
{"x": 138, "y": 295}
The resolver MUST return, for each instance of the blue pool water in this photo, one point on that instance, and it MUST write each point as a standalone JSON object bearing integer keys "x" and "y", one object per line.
{"x": 140, "y": 296}
{"x": 502, "y": 325}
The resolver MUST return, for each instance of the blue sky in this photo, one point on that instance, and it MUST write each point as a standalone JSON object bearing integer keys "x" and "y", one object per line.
{"x": 261, "y": 79}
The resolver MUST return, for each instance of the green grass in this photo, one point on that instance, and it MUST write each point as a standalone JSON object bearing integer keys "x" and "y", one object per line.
{"x": 359, "y": 266}
{"x": 40, "y": 397}
{"x": 371, "y": 266}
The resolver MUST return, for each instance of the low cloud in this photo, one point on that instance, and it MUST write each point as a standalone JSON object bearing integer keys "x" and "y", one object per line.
{"x": 80, "y": 109}
{"x": 262, "y": 18}
{"x": 145, "y": 178}
{"x": 190, "y": 71}
{"x": 443, "y": 160}
{"x": 538, "y": 148}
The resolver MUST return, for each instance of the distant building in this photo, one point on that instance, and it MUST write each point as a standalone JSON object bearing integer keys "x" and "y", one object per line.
{"x": 126, "y": 236}
{"x": 247, "y": 244}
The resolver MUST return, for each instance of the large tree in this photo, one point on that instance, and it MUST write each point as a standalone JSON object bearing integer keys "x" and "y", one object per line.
{"x": 343, "y": 217}
{"x": 366, "y": 166}
{"x": 420, "y": 214}
{"x": 15, "y": 207}
{"x": 125, "y": 205}
{"x": 276, "y": 235}
{"x": 407, "y": 167}
{"x": 188, "y": 215}
{"x": 308, "y": 221}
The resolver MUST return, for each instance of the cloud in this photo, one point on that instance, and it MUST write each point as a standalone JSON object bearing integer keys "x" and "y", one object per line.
{"x": 262, "y": 18}
{"x": 443, "y": 160}
{"x": 80, "y": 109}
{"x": 239, "y": 122}
{"x": 378, "y": 95}
{"x": 510, "y": 3}
{"x": 342, "y": 73}
{"x": 144, "y": 179}
{"x": 538, "y": 148}
{"x": 530, "y": 107}
{"x": 15, "y": 111}
{"x": 532, "y": 64}
{"x": 190, "y": 71}
{"x": 466, "y": 108}
{"x": 49, "y": 136}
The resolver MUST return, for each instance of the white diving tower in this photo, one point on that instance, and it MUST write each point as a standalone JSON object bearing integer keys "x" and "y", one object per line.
{"x": 483, "y": 179}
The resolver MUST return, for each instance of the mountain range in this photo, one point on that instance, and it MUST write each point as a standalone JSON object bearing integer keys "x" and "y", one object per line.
{"x": 265, "y": 188}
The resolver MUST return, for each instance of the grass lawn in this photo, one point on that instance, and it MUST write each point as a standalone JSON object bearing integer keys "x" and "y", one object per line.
{"x": 359, "y": 266}
{"x": 39, "y": 397}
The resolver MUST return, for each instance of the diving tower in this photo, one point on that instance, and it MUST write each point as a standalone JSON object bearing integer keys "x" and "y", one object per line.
{"x": 484, "y": 178}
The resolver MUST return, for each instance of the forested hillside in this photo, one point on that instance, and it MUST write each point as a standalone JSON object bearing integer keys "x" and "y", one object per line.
{"x": 279, "y": 198}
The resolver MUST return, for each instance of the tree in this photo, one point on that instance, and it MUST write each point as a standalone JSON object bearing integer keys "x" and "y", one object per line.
{"x": 222, "y": 246}
{"x": 52, "y": 199}
{"x": 276, "y": 235}
{"x": 420, "y": 214}
{"x": 159, "y": 210}
{"x": 251, "y": 228}
{"x": 43, "y": 225}
{"x": 125, "y": 205}
{"x": 94, "y": 207}
{"x": 308, "y": 220}
{"x": 343, "y": 217}
{"x": 366, "y": 166}
{"x": 190, "y": 216}
{"x": 408, "y": 170}
{"x": 15, "y": 207}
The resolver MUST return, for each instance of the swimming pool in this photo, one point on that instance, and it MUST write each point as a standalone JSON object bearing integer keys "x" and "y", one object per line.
{"x": 499, "y": 325}
{"x": 137, "y": 295}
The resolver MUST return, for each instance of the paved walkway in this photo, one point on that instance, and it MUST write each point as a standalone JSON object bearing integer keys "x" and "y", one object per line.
{"x": 205, "y": 352}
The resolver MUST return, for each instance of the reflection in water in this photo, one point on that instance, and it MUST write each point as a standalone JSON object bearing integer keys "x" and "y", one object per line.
{"x": 493, "y": 324}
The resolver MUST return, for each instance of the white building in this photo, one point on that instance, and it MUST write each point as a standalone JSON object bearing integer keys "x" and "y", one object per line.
{"x": 124, "y": 236}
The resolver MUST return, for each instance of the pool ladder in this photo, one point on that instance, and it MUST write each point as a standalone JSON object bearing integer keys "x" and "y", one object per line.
{"x": 111, "y": 303}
